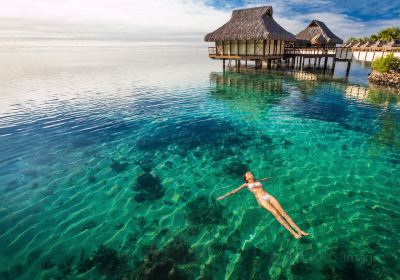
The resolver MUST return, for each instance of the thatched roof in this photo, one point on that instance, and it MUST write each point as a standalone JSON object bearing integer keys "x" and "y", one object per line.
{"x": 358, "y": 44}
{"x": 346, "y": 44}
{"x": 393, "y": 43}
{"x": 318, "y": 39}
{"x": 250, "y": 24}
{"x": 315, "y": 28}
{"x": 349, "y": 44}
{"x": 378, "y": 44}
{"x": 367, "y": 44}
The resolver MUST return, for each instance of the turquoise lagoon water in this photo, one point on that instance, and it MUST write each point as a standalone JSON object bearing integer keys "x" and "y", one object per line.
{"x": 111, "y": 158}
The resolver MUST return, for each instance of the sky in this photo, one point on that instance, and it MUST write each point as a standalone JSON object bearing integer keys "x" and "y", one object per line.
{"x": 181, "y": 19}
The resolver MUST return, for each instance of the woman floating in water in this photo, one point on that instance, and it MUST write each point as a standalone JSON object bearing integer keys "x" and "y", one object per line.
{"x": 268, "y": 202}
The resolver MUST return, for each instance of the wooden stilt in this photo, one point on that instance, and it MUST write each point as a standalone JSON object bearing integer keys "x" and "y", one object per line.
{"x": 348, "y": 68}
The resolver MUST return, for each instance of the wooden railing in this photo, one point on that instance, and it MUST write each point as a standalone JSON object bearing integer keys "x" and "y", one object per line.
{"x": 310, "y": 50}
{"x": 376, "y": 49}
{"x": 340, "y": 52}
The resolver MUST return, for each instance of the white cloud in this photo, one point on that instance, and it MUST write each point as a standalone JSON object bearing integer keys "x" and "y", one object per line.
{"x": 346, "y": 27}
{"x": 106, "y": 16}
{"x": 342, "y": 25}
{"x": 152, "y": 19}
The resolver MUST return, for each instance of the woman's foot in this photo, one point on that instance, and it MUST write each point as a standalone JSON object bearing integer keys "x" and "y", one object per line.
{"x": 303, "y": 233}
{"x": 297, "y": 236}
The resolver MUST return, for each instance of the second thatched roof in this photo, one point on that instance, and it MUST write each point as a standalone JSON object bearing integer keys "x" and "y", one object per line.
{"x": 250, "y": 24}
{"x": 316, "y": 28}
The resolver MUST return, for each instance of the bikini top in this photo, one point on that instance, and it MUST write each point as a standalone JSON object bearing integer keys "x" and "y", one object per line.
{"x": 254, "y": 185}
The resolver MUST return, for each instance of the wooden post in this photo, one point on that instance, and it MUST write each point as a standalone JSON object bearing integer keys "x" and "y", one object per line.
{"x": 325, "y": 62}
{"x": 263, "y": 48}
{"x": 348, "y": 68}
{"x": 333, "y": 65}
{"x": 319, "y": 62}
{"x": 223, "y": 63}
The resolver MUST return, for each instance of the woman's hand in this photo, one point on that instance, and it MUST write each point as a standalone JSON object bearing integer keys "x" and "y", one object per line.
{"x": 232, "y": 192}
{"x": 266, "y": 179}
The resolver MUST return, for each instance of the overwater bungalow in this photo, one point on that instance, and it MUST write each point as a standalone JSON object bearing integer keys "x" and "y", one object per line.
{"x": 250, "y": 34}
{"x": 392, "y": 44}
{"x": 378, "y": 44}
{"x": 358, "y": 44}
{"x": 367, "y": 44}
{"x": 349, "y": 44}
{"x": 317, "y": 34}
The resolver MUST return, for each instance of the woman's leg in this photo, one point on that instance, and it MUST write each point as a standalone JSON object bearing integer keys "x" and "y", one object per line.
{"x": 280, "y": 219}
{"x": 278, "y": 207}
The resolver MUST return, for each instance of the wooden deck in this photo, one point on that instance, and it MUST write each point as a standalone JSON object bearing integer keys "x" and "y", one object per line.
{"x": 371, "y": 53}
{"x": 292, "y": 56}
{"x": 341, "y": 54}
{"x": 245, "y": 57}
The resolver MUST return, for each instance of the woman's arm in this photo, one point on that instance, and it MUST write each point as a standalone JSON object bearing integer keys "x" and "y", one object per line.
{"x": 232, "y": 192}
{"x": 266, "y": 179}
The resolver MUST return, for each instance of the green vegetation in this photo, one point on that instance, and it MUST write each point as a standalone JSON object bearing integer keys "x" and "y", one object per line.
{"x": 386, "y": 63}
{"x": 387, "y": 34}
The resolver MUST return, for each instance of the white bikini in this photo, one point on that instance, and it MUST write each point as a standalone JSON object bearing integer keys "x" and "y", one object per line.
{"x": 258, "y": 185}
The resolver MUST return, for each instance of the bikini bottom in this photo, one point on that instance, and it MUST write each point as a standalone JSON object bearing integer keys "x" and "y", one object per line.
{"x": 265, "y": 197}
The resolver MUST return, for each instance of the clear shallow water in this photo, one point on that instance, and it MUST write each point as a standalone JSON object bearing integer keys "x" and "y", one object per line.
{"x": 128, "y": 146}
